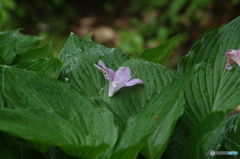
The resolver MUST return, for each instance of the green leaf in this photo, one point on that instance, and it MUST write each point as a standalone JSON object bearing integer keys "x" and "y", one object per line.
{"x": 8, "y": 43}
{"x": 4, "y": 102}
{"x": 57, "y": 130}
{"x": 8, "y": 146}
{"x": 176, "y": 141}
{"x": 81, "y": 126}
{"x": 33, "y": 54}
{"x": 214, "y": 88}
{"x": 88, "y": 37}
{"x": 206, "y": 136}
{"x": 79, "y": 56}
{"x": 52, "y": 66}
{"x": 161, "y": 53}
{"x": 158, "y": 141}
{"x": 27, "y": 42}
{"x": 140, "y": 127}
{"x": 232, "y": 141}
{"x": 2, "y": 62}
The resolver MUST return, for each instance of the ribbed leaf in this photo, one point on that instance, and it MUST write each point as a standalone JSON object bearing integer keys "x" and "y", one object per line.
{"x": 161, "y": 53}
{"x": 33, "y": 54}
{"x": 206, "y": 136}
{"x": 215, "y": 88}
{"x": 161, "y": 108}
{"x": 4, "y": 102}
{"x": 57, "y": 130}
{"x": 79, "y": 55}
{"x": 176, "y": 141}
{"x": 8, "y": 43}
{"x": 52, "y": 66}
{"x": 232, "y": 141}
{"x": 27, "y": 42}
{"x": 78, "y": 124}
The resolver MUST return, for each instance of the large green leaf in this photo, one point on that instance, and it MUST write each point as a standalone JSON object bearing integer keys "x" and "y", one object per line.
{"x": 161, "y": 107}
{"x": 81, "y": 126}
{"x": 79, "y": 55}
{"x": 214, "y": 88}
{"x": 27, "y": 42}
{"x": 232, "y": 140}
{"x": 8, "y": 43}
{"x": 36, "y": 53}
{"x": 161, "y": 53}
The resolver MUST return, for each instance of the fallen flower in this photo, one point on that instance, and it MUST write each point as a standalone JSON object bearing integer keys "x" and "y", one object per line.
{"x": 122, "y": 78}
{"x": 233, "y": 56}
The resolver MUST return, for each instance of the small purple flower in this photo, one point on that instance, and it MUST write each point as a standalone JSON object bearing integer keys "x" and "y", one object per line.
{"x": 233, "y": 56}
{"x": 122, "y": 78}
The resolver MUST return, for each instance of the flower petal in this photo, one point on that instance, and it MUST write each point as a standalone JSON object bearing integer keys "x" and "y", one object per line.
{"x": 99, "y": 68}
{"x": 113, "y": 88}
{"x": 123, "y": 75}
{"x": 100, "y": 63}
{"x": 233, "y": 56}
{"x": 108, "y": 73}
{"x": 229, "y": 64}
{"x": 133, "y": 82}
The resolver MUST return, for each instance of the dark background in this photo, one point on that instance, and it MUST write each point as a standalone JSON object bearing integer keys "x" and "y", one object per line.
{"x": 130, "y": 25}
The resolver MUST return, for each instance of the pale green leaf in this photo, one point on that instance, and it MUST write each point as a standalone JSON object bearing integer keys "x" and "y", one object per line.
{"x": 161, "y": 53}
{"x": 88, "y": 37}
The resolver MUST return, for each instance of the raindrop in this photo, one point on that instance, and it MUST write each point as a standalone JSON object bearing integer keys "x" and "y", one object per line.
{"x": 66, "y": 79}
{"x": 68, "y": 55}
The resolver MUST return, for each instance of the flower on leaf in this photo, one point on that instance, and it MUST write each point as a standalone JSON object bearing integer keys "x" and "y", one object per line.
{"x": 121, "y": 78}
{"x": 233, "y": 56}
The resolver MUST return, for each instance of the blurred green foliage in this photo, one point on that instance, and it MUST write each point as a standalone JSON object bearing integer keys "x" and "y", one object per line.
{"x": 137, "y": 24}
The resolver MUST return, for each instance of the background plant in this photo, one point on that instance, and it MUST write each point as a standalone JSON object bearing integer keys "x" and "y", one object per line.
{"x": 132, "y": 25}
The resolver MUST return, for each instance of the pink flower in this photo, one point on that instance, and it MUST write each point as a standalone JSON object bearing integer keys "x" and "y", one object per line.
{"x": 233, "y": 56}
{"x": 122, "y": 78}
